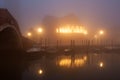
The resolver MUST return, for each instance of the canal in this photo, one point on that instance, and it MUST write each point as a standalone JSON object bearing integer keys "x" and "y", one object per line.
{"x": 74, "y": 66}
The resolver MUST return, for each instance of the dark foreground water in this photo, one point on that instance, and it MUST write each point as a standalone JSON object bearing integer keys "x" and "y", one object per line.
{"x": 75, "y": 66}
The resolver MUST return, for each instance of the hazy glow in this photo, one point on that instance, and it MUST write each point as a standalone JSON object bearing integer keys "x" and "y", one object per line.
{"x": 101, "y": 64}
{"x": 90, "y": 12}
{"x": 65, "y": 62}
{"x": 101, "y": 32}
{"x": 96, "y": 36}
{"x": 72, "y": 29}
{"x": 85, "y": 58}
{"x": 29, "y": 34}
{"x": 68, "y": 62}
{"x": 85, "y": 32}
{"x": 40, "y": 30}
{"x": 40, "y": 71}
{"x": 79, "y": 62}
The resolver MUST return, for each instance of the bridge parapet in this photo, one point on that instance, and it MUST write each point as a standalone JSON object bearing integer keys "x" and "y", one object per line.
{"x": 7, "y": 19}
{"x": 9, "y": 31}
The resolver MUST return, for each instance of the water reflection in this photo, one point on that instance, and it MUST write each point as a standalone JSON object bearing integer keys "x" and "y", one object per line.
{"x": 75, "y": 67}
{"x": 40, "y": 71}
{"x": 101, "y": 64}
{"x": 71, "y": 61}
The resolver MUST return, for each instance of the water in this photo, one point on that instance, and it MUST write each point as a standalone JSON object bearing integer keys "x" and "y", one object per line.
{"x": 75, "y": 66}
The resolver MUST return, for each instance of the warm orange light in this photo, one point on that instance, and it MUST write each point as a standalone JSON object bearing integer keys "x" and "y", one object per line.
{"x": 96, "y": 36}
{"x": 57, "y": 30}
{"x": 85, "y": 58}
{"x": 85, "y": 32}
{"x": 71, "y": 29}
{"x": 29, "y": 34}
{"x": 101, "y": 32}
{"x": 101, "y": 64}
{"x": 79, "y": 62}
{"x": 65, "y": 62}
{"x": 40, "y": 71}
{"x": 39, "y": 30}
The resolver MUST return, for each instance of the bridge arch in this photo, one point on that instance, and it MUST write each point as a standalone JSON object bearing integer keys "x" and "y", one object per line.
{"x": 10, "y": 38}
{"x": 10, "y": 35}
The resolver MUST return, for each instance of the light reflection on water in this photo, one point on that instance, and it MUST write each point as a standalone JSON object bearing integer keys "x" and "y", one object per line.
{"x": 102, "y": 64}
{"x": 71, "y": 61}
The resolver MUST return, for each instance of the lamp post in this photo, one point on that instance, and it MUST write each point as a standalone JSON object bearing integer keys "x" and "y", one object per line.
{"x": 39, "y": 31}
{"x": 101, "y": 32}
{"x": 29, "y": 34}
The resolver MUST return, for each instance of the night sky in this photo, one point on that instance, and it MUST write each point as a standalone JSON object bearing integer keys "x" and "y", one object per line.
{"x": 92, "y": 13}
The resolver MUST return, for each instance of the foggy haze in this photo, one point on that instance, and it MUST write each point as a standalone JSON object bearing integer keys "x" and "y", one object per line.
{"x": 91, "y": 13}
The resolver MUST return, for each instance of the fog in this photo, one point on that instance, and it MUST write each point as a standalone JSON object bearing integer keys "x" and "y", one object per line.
{"x": 93, "y": 14}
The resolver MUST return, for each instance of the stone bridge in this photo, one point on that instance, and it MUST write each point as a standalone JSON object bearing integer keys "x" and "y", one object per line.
{"x": 10, "y": 36}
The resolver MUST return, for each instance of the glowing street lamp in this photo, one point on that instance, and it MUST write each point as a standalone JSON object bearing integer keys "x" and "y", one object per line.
{"x": 101, "y": 32}
{"x": 39, "y": 30}
{"x": 29, "y": 34}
